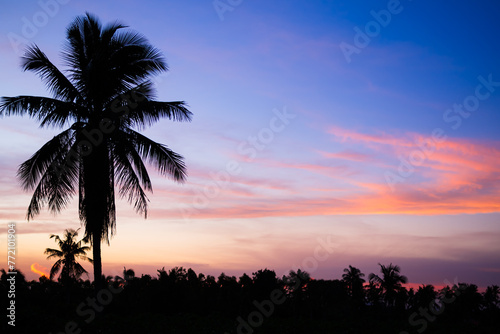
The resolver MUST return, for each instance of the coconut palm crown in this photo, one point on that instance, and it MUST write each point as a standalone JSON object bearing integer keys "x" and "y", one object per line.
{"x": 101, "y": 102}
{"x": 391, "y": 282}
{"x": 68, "y": 253}
{"x": 353, "y": 277}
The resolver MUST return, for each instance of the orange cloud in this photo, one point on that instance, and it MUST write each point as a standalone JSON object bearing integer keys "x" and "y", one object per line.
{"x": 39, "y": 270}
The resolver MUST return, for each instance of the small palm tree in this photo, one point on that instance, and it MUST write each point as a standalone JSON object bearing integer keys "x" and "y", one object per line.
{"x": 105, "y": 97}
{"x": 373, "y": 292}
{"x": 425, "y": 296}
{"x": 390, "y": 282}
{"x": 68, "y": 253}
{"x": 353, "y": 277}
{"x": 128, "y": 275}
{"x": 492, "y": 296}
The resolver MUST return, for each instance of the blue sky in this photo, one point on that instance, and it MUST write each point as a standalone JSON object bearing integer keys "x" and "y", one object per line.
{"x": 321, "y": 173}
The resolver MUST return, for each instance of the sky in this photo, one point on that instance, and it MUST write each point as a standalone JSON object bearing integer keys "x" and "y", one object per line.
{"x": 324, "y": 134}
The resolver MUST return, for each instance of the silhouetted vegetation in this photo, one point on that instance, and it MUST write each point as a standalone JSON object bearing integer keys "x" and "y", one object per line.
{"x": 182, "y": 301}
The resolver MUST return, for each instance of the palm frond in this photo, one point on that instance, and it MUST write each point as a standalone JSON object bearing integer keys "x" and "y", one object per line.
{"x": 74, "y": 52}
{"x": 130, "y": 185}
{"x": 46, "y": 110}
{"x": 78, "y": 270}
{"x": 56, "y": 238}
{"x": 109, "y": 31}
{"x": 56, "y": 185}
{"x": 166, "y": 161}
{"x": 57, "y": 83}
{"x": 124, "y": 101}
{"x": 34, "y": 168}
{"x": 55, "y": 268}
{"x": 375, "y": 278}
{"x": 86, "y": 258}
{"x": 91, "y": 31}
{"x": 149, "y": 112}
{"x": 127, "y": 150}
{"x": 52, "y": 253}
{"x": 135, "y": 57}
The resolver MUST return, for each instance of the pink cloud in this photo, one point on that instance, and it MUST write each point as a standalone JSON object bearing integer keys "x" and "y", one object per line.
{"x": 368, "y": 139}
{"x": 348, "y": 155}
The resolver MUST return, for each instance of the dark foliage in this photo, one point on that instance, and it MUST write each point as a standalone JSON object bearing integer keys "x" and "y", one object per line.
{"x": 181, "y": 301}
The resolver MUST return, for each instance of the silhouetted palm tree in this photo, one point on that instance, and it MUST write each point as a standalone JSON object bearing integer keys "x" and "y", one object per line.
{"x": 296, "y": 282}
{"x": 68, "y": 253}
{"x": 492, "y": 296}
{"x": 128, "y": 276}
{"x": 295, "y": 285}
{"x": 106, "y": 95}
{"x": 353, "y": 277}
{"x": 425, "y": 296}
{"x": 468, "y": 299}
{"x": 373, "y": 292}
{"x": 391, "y": 282}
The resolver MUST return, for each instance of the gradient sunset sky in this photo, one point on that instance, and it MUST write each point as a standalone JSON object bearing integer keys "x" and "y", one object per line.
{"x": 315, "y": 123}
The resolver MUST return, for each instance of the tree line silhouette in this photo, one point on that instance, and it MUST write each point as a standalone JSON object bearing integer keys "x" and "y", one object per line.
{"x": 180, "y": 300}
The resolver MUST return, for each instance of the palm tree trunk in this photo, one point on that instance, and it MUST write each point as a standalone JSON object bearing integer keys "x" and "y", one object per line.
{"x": 96, "y": 252}
{"x": 97, "y": 203}
{"x": 98, "y": 191}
